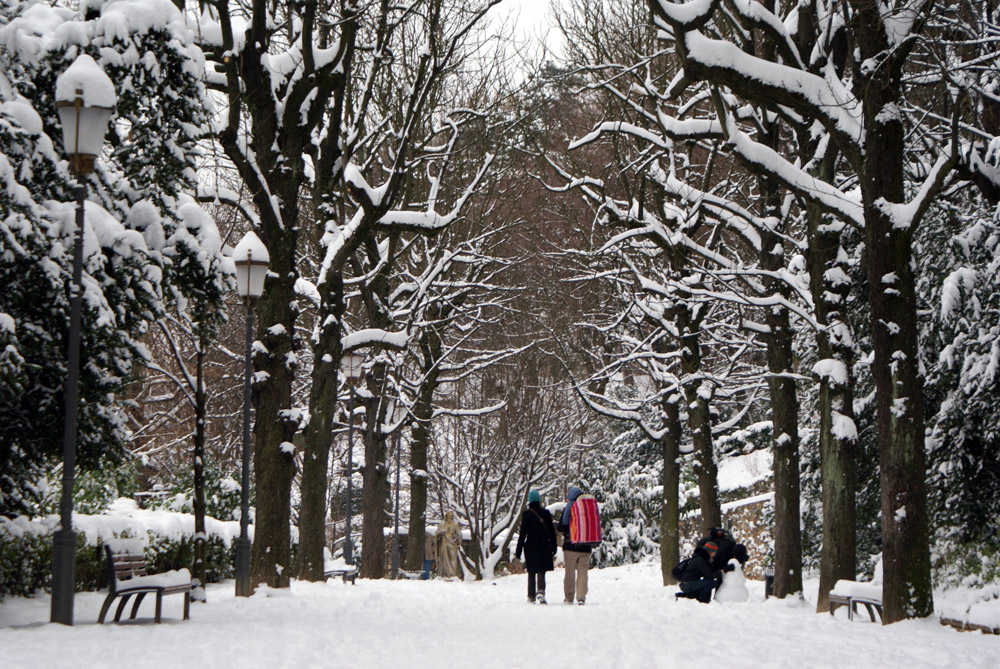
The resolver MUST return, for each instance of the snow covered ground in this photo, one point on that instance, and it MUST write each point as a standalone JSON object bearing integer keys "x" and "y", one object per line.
{"x": 629, "y": 621}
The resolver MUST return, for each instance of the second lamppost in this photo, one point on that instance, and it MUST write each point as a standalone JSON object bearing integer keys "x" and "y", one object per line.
{"x": 251, "y": 259}
{"x": 398, "y": 414}
{"x": 85, "y": 99}
{"x": 352, "y": 367}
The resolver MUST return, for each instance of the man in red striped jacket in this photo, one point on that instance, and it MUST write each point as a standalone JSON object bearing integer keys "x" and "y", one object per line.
{"x": 576, "y": 556}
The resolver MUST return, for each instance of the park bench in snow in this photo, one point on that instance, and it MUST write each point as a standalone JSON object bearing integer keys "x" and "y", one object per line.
{"x": 345, "y": 574}
{"x": 127, "y": 576}
{"x": 851, "y": 593}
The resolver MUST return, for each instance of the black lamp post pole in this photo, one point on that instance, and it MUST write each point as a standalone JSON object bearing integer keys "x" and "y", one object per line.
{"x": 64, "y": 540}
{"x": 243, "y": 543}
{"x": 395, "y": 531}
{"x": 348, "y": 546}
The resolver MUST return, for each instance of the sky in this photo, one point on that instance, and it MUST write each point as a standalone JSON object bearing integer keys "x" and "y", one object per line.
{"x": 532, "y": 19}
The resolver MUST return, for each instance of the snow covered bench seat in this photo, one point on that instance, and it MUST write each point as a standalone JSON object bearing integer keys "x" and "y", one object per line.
{"x": 971, "y": 610}
{"x": 851, "y": 593}
{"x": 345, "y": 574}
{"x": 127, "y": 576}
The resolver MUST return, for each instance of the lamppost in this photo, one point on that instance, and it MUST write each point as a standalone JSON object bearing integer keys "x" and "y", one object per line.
{"x": 398, "y": 414}
{"x": 85, "y": 99}
{"x": 351, "y": 368}
{"x": 251, "y": 259}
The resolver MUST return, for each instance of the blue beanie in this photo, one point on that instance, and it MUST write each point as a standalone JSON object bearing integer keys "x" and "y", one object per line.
{"x": 534, "y": 496}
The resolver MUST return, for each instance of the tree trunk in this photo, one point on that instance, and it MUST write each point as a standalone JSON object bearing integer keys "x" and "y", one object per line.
{"x": 698, "y": 394}
{"x": 671, "y": 477}
{"x": 830, "y": 289}
{"x": 319, "y": 431}
{"x": 199, "y": 570}
{"x": 898, "y": 381}
{"x": 431, "y": 350}
{"x": 784, "y": 401}
{"x": 781, "y": 384}
{"x": 785, "y": 445}
{"x": 275, "y": 425}
{"x": 375, "y": 478}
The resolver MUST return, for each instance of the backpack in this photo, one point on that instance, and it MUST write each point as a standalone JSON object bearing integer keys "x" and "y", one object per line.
{"x": 585, "y": 522}
{"x": 678, "y": 571}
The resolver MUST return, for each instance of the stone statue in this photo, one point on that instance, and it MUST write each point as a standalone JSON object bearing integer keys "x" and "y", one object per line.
{"x": 448, "y": 536}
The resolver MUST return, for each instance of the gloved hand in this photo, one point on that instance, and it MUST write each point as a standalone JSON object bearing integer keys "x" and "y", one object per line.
{"x": 730, "y": 567}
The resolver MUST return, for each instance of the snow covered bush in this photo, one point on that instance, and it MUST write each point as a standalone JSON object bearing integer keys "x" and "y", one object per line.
{"x": 129, "y": 266}
{"x": 626, "y": 483}
{"x": 961, "y": 337}
{"x": 168, "y": 539}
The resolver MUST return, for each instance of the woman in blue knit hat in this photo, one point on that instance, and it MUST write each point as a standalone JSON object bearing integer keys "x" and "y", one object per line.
{"x": 537, "y": 538}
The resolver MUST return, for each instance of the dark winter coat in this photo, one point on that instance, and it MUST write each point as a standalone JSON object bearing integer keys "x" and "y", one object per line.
{"x": 564, "y": 521}
{"x": 728, "y": 548}
{"x": 700, "y": 567}
{"x": 537, "y": 538}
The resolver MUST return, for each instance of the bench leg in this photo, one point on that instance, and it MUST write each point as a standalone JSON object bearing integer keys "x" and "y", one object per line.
{"x": 121, "y": 607}
{"x": 871, "y": 611}
{"x": 135, "y": 607}
{"x": 159, "y": 603}
{"x": 187, "y": 604}
{"x": 107, "y": 605}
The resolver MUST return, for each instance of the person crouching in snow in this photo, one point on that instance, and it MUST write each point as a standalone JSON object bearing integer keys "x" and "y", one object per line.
{"x": 537, "y": 538}
{"x": 699, "y": 579}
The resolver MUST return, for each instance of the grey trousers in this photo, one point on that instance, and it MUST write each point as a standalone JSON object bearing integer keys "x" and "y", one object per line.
{"x": 575, "y": 581}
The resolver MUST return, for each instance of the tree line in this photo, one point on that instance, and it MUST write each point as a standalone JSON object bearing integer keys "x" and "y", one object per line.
{"x": 708, "y": 216}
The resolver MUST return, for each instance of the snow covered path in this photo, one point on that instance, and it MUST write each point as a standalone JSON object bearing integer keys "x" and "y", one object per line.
{"x": 629, "y": 621}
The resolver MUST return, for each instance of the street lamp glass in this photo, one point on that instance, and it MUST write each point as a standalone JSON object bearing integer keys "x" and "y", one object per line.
{"x": 83, "y": 131}
{"x": 252, "y": 260}
{"x": 352, "y": 365}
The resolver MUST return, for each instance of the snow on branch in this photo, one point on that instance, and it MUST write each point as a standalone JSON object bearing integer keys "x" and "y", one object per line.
{"x": 375, "y": 337}
{"x": 906, "y": 216}
{"x": 430, "y": 221}
{"x": 229, "y": 197}
{"x": 767, "y": 83}
{"x": 770, "y": 162}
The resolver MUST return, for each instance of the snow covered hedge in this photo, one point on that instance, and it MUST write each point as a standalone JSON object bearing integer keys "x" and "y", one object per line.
{"x": 26, "y": 545}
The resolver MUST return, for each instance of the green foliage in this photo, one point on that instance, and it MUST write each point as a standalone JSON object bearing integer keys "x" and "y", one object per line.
{"x": 26, "y": 559}
{"x": 95, "y": 489}
{"x": 626, "y": 483}
{"x": 960, "y": 334}
{"x": 222, "y": 494}
{"x": 161, "y": 110}
{"x": 967, "y": 564}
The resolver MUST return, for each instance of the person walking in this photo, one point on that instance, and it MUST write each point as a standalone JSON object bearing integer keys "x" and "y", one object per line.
{"x": 576, "y": 556}
{"x": 537, "y": 539}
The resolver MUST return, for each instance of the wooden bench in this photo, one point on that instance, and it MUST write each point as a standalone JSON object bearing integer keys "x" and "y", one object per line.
{"x": 852, "y": 593}
{"x": 411, "y": 575}
{"x": 345, "y": 574}
{"x": 127, "y": 576}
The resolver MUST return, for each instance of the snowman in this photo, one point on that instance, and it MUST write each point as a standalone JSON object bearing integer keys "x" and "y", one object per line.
{"x": 734, "y": 585}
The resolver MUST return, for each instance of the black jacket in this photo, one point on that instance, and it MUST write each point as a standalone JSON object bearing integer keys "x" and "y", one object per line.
{"x": 700, "y": 567}
{"x": 728, "y": 548}
{"x": 537, "y": 538}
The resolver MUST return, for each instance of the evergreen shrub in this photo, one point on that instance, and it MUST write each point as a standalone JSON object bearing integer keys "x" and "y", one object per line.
{"x": 26, "y": 556}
